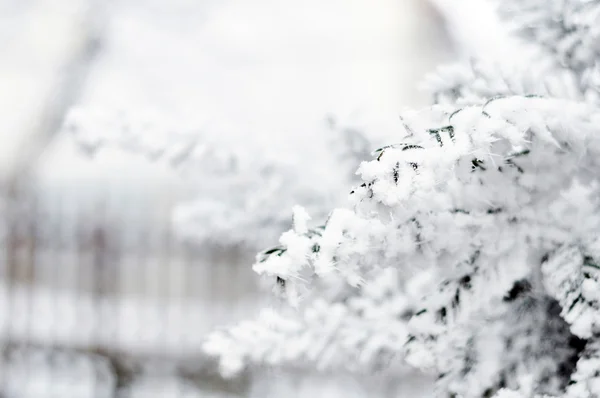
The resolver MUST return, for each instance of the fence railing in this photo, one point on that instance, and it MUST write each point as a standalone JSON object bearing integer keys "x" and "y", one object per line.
{"x": 104, "y": 293}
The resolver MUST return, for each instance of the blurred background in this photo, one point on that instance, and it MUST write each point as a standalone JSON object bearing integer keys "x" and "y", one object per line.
{"x": 99, "y": 297}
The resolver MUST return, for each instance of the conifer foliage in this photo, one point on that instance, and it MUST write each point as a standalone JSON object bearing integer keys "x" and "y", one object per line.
{"x": 238, "y": 193}
{"x": 471, "y": 249}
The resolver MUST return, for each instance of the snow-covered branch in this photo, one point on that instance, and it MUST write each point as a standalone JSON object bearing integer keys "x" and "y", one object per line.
{"x": 362, "y": 330}
{"x": 472, "y": 167}
{"x": 568, "y": 29}
{"x": 474, "y": 82}
{"x": 480, "y": 196}
{"x": 242, "y": 192}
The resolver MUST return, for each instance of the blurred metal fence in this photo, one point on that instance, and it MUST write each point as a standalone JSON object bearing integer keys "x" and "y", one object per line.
{"x": 95, "y": 301}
